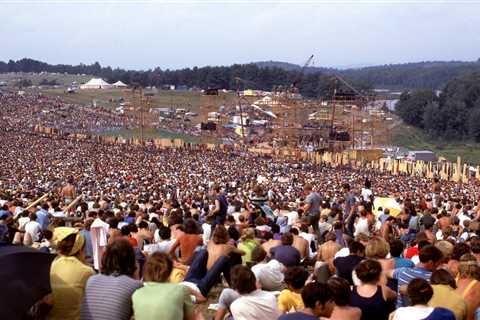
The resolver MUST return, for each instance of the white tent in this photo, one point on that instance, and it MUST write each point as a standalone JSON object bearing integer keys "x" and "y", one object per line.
{"x": 119, "y": 84}
{"x": 96, "y": 83}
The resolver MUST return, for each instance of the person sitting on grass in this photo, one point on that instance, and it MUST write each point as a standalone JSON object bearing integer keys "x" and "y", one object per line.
{"x": 290, "y": 299}
{"x": 317, "y": 301}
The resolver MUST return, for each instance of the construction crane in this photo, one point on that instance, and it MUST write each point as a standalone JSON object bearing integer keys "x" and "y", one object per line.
{"x": 302, "y": 71}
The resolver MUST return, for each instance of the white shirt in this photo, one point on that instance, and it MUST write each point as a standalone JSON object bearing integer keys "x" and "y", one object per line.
{"x": 310, "y": 238}
{"x": 342, "y": 253}
{"x": 162, "y": 246}
{"x": 257, "y": 305}
{"x": 270, "y": 275}
{"x": 34, "y": 229}
{"x": 207, "y": 232}
{"x": 292, "y": 217}
{"x": 366, "y": 193}
{"x": 361, "y": 227}
{"x": 412, "y": 313}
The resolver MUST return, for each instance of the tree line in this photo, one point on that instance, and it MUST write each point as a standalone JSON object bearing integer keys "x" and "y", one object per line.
{"x": 454, "y": 114}
{"x": 315, "y": 85}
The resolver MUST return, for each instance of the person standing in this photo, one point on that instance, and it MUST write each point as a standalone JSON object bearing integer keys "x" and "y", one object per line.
{"x": 221, "y": 206}
{"x": 68, "y": 191}
{"x": 312, "y": 206}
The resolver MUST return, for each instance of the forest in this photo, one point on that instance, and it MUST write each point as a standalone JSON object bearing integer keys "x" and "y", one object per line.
{"x": 453, "y": 114}
{"x": 312, "y": 85}
{"x": 314, "y": 82}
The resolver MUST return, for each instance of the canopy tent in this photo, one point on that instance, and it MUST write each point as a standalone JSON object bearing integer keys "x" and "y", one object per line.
{"x": 96, "y": 83}
{"x": 119, "y": 84}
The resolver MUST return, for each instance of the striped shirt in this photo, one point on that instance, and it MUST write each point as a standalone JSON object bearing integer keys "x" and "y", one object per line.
{"x": 404, "y": 276}
{"x": 108, "y": 297}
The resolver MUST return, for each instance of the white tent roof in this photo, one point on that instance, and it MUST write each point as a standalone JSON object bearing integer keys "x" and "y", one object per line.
{"x": 97, "y": 82}
{"x": 119, "y": 84}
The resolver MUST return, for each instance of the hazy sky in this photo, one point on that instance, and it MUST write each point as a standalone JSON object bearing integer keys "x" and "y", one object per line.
{"x": 174, "y": 34}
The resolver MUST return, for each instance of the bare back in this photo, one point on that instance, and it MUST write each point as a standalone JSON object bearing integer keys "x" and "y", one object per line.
{"x": 216, "y": 251}
{"x": 270, "y": 244}
{"x": 301, "y": 245}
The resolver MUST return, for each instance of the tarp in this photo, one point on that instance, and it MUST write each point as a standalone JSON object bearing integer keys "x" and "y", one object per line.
{"x": 389, "y": 203}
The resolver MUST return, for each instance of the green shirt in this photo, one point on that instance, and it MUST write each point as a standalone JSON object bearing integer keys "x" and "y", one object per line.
{"x": 247, "y": 246}
{"x": 166, "y": 301}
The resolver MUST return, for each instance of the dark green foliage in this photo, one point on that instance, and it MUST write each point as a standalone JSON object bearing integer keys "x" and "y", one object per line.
{"x": 24, "y": 83}
{"x": 454, "y": 115}
{"x": 411, "y": 106}
{"x": 45, "y": 82}
{"x": 417, "y": 75}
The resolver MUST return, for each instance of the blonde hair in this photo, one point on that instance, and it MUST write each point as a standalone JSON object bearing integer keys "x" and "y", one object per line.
{"x": 248, "y": 234}
{"x": 377, "y": 248}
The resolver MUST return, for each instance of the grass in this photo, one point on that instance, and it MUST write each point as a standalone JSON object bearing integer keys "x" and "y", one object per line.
{"x": 190, "y": 100}
{"x": 413, "y": 138}
{"x": 62, "y": 79}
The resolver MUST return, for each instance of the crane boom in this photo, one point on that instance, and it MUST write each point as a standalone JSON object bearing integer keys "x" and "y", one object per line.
{"x": 302, "y": 71}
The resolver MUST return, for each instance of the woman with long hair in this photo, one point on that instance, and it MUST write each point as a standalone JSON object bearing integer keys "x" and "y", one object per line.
{"x": 109, "y": 294}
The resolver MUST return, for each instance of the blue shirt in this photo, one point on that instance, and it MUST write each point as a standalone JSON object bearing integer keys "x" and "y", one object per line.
{"x": 88, "y": 249}
{"x": 297, "y": 316}
{"x": 403, "y": 263}
{"x": 404, "y": 276}
{"x": 42, "y": 218}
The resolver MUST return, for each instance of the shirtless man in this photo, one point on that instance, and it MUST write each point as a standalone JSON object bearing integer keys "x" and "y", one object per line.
{"x": 68, "y": 192}
{"x": 270, "y": 243}
{"x": 300, "y": 244}
{"x": 219, "y": 246}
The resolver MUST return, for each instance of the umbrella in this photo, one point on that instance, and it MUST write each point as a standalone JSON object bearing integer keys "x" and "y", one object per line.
{"x": 25, "y": 279}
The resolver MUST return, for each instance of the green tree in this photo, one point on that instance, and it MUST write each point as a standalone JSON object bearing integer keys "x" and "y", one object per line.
{"x": 411, "y": 107}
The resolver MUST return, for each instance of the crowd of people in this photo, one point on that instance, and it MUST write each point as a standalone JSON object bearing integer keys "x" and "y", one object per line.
{"x": 161, "y": 233}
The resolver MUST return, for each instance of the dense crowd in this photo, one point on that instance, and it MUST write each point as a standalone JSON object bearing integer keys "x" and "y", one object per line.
{"x": 156, "y": 234}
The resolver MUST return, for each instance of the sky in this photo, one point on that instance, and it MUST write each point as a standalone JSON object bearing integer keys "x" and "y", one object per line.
{"x": 145, "y": 34}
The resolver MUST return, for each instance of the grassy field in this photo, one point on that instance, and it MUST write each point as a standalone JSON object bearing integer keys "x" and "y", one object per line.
{"x": 192, "y": 101}
{"x": 413, "y": 138}
{"x": 62, "y": 79}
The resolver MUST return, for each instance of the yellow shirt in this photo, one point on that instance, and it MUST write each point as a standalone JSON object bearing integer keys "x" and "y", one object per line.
{"x": 445, "y": 296}
{"x": 290, "y": 301}
{"x": 177, "y": 275}
{"x": 68, "y": 277}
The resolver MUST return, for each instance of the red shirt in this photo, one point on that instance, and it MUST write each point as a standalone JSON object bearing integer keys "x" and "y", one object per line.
{"x": 411, "y": 252}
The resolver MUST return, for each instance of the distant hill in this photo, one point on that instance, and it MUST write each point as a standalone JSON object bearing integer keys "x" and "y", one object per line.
{"x": 417, "y": 75}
